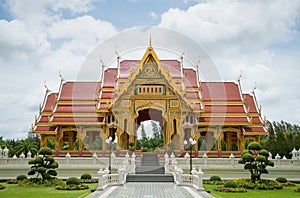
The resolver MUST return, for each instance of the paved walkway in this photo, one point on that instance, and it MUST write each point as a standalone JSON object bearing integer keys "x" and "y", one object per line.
{"x": 149, "y": 190}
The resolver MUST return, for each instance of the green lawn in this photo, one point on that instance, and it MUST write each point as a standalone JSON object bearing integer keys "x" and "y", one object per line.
{"x": 14, "y": 190}
{"x": 286, "y": 192}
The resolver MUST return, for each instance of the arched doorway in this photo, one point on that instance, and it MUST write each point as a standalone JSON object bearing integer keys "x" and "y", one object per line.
{"x": 153, "y": 118}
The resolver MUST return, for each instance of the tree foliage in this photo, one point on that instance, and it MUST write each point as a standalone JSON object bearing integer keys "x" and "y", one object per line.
{"x": 44, "y": 164}
{"x": 282, "y": 138}
{"x": 256, "y": 160}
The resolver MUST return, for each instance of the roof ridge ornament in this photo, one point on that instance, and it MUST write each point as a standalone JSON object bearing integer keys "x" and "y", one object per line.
{"x": 254, "y": 88}
{"x": 240, "y": 76}
{"x": 46, "y": 87}
{"x": 60, "y": 76}
{"x": 150, "y": 41}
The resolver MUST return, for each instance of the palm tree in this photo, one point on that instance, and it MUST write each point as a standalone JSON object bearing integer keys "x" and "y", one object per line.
{"x": 25, "y": 146}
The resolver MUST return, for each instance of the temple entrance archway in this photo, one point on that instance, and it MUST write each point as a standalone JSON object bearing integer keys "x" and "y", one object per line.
{"x": 150, "y": 114}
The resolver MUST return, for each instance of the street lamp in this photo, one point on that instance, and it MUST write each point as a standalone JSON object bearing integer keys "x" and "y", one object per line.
{"x": 192, "y": 143}
{"x": 109, "y": 142}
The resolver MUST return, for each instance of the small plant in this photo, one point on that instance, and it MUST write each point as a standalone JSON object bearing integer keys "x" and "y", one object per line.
{"x": 230, "y": 184}
{"x": 215, "y": 178}
{"x": 86, "y": 176}
{"x": 281, "y": 179}
{"x": 73, "y": 180}
{"x": 21, "y": 177}
{"x": 2, "y": 186}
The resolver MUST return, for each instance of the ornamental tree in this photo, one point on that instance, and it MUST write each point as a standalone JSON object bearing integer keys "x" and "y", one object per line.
{"x": 256, "y": 160}
{"x": 44, "y": 164}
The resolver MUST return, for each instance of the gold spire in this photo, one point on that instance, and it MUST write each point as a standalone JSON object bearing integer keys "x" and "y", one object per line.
{"x": 254, "y": 88}
{"x": 150, "y": 41}
{"x": 240, "y": 76}
{"x": 46, "y": 87}
{"x": 60, "y": 76}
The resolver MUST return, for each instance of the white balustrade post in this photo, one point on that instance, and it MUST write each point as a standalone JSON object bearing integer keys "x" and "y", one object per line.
{"x": 126, "y": 161}
{"x": 133, "y": 156}
{"x": 95, "y": 158}
{"x": 113, "y": 158}
{"x": 167, "y": 161}
{"x": 231, "y": 157}
{"x": 205, "y": 158}
{"x": 270, "y": 156}
{"x": 68, "y": 156}
{"x": 121, "y": 172}
{"x": 22, "y": 156}
{"x": 29, "y": 154}
{"x": 101, "y": 173}
{"x": 200, "y": 179}
{"x": 179, "y": 179}
{"x": 277, "y": 157}
{"x": 5, "y": 152}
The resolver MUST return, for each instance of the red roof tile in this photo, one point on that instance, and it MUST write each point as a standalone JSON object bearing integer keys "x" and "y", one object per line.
{"x": 75, "y": 109}
{"x": 174, "y": 66}
{"x": 44, "y": 128}
{"x": 192, "y": 95}
{"x": 77, "y": 119}
{"x": 223, "y": 119}
{"x": 190, "y": 78}
{"x": 250, "y": 103}
{"x": 221, "y": 91}
{"x": 255, "y": 129}
{"x": 107, "y": 95}
{"x": 43, "y": 118}
{"x": 49, "y": 102}
{"x": 126, "y": 65}
{"x": 110, "y": 77}
{"x": 79, "y": 91}
{"x": 224, "y": 109}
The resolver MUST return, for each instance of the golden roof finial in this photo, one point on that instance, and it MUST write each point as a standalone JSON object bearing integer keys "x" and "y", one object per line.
{"x": 254, "y": 88}
{"x": 117, "y": 53}
{"x": 60, "y": 76}
{"x": 150, "y": 41}
{"x": 240, "y": 76}
{"x": 182, "y": 55}
{"x": 46, "y": 87}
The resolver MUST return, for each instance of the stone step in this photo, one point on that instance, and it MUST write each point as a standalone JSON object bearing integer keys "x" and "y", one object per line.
{"x": 149, "y": 170}
{"x": 149, "y": 178}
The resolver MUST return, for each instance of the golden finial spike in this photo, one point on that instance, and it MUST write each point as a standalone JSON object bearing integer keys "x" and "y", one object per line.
{"x": 46, "y": 87}
{"x": 117, "y": 53}
{"x": 240, "y": 76}
{"x": 150, "y": 41}
{"x": 182, "y": 55}
{"x": 254, "y": 88}
{"x": 60, "y": 76}
{"x": 265, "y": 119}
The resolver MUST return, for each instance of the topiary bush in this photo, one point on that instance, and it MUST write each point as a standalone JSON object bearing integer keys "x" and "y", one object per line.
{"x": 230, "y": 184}
{"x": 2, "y": 186}
{"x": 21, "y": 177}
{"x": 44, "y": 165}
{"x": 73, "y": 180}
{"x": 86, "y": 176}
{"x": 215, "y": 178}
{"x": 281, "y": 179}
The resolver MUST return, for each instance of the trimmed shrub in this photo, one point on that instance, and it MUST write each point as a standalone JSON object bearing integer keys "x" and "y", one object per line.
{"x": 281, "y": 179}
{"x": 72, "y": 180}
{"x": 86, "y": 176}
{"x": 215, "y": 178}
{"x": 230, "y": 184}
{"x": 21, "y": 177}
{"x": 2, "y": 186}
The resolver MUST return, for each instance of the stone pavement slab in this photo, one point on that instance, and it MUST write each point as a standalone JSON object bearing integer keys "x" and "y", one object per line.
{"x": 149, "y": 190}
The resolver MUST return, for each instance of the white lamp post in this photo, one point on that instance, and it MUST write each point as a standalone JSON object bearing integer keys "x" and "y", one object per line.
{"x": 109, "y": 142}
{"x": 192, "y": 143}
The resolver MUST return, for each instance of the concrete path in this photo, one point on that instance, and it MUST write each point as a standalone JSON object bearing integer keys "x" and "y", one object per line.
{"x": 149, "y": 190}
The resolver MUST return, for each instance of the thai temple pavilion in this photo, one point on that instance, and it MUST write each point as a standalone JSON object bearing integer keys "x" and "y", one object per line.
{"x": 83, "y": 115}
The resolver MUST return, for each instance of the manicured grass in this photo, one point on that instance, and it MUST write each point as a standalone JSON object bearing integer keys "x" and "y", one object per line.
{"x": 14, "y": 190}
{"x": 286, "y": 192}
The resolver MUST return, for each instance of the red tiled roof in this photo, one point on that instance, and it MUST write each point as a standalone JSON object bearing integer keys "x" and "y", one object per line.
{"x": 110, "y": 77}
{"x": 126, "y": 65}
{"x": 190, "y": 78}
{"x": 255, "y": 129}
{"x": 43, "y": 118}
{"x": 77, "y": 119}
{"x": 49, "y": 102}
{"x": 250, "y": 103}
{"x": 224, "y": 109}
{"x": 107, "y": 95}
{"x": 174, "y": 66}
{"x": 220, "y": 91}
{"x": 79, "y": 91}
{"x": 192, "y": 95}
{"x": 256, "y": 120}
{"x": 223, "y": 119}
{"x": 45, "y": 128}
{"x": 75, "y": 109}
{"x": 103, "y": 106}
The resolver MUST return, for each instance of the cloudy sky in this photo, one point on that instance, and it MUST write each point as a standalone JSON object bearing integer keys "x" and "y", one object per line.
{"x": 39, "y": 38}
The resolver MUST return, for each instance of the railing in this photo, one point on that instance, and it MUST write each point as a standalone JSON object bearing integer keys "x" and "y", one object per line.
{"x": 195, "y": 179}
{"x": 106, "y": 179}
